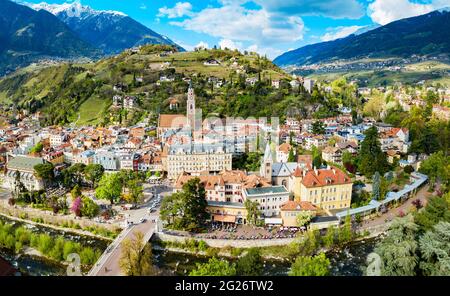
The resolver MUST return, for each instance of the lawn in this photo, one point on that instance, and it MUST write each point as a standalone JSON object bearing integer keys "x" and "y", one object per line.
{"x": 90, "y": 112}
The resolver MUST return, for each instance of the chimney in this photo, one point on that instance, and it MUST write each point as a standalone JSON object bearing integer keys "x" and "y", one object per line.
{"x": 315, "y": 171}
{"x": 334, "y": 172}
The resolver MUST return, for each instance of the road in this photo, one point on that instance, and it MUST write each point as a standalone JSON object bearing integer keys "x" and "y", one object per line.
{"x": 422, "y": 194}
{"x": 108, "y": 264}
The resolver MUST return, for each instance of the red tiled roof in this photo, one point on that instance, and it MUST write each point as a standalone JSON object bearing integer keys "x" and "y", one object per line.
{"x": 293, "y": 205}
{"x": 325, "y": 177}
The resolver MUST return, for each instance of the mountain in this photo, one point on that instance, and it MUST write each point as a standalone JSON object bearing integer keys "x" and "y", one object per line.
{"x": 110, "y": 31}
{"x": 27, "y": 35}
{"x": 427, "y": 34}
{"x": 83, "y": 92}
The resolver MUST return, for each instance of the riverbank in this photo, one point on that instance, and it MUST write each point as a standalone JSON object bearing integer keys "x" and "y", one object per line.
{"x": 47, "y": 219}
{"x": 32, "y": 242}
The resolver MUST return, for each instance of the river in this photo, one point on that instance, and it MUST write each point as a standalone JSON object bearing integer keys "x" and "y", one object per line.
{"x": 38, "y": 266}
{"x": 349, "y": 261}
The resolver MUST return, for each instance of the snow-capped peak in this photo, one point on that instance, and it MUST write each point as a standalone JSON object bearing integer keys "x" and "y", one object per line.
{"x": 74, "y": 9}
{"x": 444, "y": 9}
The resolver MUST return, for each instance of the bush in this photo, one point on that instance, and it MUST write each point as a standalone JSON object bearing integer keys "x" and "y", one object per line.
{"x": 408, "y": 169}
{"x": 202, "y": 246}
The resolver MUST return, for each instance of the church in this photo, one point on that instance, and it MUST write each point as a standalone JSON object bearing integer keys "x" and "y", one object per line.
{"x": 184, "y": 150}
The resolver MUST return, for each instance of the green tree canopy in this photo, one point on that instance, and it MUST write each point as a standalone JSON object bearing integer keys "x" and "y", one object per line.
{"x": 214, "y": 267}
{"x": 435, "y": 250}
{"x": 45, "y": 171}
{"x": 186, "y": 209}
{"x": 371, "y": 157}
{"x": 311, "y": 266}
{"x": 250, "y": 264}
{"x": 398, "y": 250}
{"x": 136, "y": 258}
{"x": 109, "y": 187}
{"x": 94, "y": 173}
{"x": 437, "y": 209}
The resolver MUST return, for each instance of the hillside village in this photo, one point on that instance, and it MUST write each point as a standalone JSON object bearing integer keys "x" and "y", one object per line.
{"x": 294, "y": 160}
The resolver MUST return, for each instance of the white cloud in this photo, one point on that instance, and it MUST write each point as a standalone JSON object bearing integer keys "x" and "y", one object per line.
{"x": 352, "y": 9}
{"x": 230, "y": 44}
{"x": 238, "y": 23}
{"x": 202, "y": 44}
{"x": 179, "y": 10}
{"x": 339, "y": 32}
{"x": 386, "y": 11}
{"x": 143, "y": 6}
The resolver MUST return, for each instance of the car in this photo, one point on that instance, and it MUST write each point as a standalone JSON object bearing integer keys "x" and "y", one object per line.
{"x": 142, "y": 220}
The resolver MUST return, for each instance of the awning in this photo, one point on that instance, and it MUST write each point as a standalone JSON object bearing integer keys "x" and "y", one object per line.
{"x": 224, "y": 218}
{"x": 273, "y": 221}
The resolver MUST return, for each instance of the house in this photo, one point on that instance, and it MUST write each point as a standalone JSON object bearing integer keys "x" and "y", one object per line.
{"x": 117, "y": 101}
{"x": 329, "y": 189}
{"x": 129, "y": 102}
{"x": 85, "y": 157}
{"x": 270, "y": 199}
{"x": 211, "y": 62}
{"x": 291, "y": 209}
{"x": 294, "y": 83}
{"x": 395, "y": 139}
{"x": 332, "y": 154}
{"x": 107, "y": 159}
{"x": 276, "y": 84}
{"x": 174, "y": 104}
{"x": 24, "y": 165}
{"x": 58, "y": 139}
{"x": 251, "y": 81}
{"x": 282, "y": 152}
{"x": 308, "y": 84}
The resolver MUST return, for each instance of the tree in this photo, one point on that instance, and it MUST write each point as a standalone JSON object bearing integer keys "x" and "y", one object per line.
{"x": 136, "y": 257}
{"x": 330, "y": 238}
{"x": 109, "y": 187}
{"x": 94, "y": 173}
{"x": 345, "y": 232}
{"x": 89, "y": 208}
{"x": 371, "y": 157}
{"x": 317, "y": 157}
{"x": 214, "y": 267}
{"x": 37, "y": 148}
{"x": 250, "y": 264}
{"x": 318, "y": 127}
{"x": 436, "y": 210}
{"x": 398, "y": 251}
{"x": 76, "y": 173}
{"x": 291, "y": 156}
{"x": 45, "y": 172}
{"x": 436, "y": 167}
{"x": 136, "y": 191}
{"x": 186, "y": 209}
{"x": 76, "y": 206}
{"x": 376, "y": 183}
{"x": 435, "y": 249}
{"x": 303, "y": 218}
{"x": 253, "y": 212}
{"x": 311, "y": 266}
{"x": 75, "y": 192}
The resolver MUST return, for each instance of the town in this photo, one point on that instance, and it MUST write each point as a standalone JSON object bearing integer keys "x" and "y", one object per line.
{"x": 303, "y": 173}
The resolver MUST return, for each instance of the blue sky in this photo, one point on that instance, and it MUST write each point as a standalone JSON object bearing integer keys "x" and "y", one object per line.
{"x": 268, "y": 26}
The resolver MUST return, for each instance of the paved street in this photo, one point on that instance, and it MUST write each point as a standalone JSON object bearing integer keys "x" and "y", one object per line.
{"x": 422, "y": 194}
{"x": 108, "y": 264}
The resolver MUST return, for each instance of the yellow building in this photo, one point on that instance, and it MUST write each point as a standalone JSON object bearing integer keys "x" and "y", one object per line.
{"x": 329, "y": 189}
{"x": 291, "y": 209}
{"x": 228, "y": 212}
